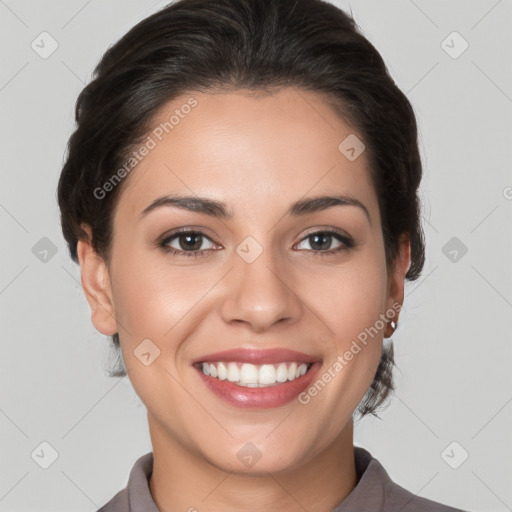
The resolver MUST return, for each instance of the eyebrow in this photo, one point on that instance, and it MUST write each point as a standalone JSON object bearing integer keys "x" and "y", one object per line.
{"x": 221, "y": 211}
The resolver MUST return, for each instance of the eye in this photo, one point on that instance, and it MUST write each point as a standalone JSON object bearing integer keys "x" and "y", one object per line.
{"x": 186, "y": 242}
{"x": 322, "y": 241}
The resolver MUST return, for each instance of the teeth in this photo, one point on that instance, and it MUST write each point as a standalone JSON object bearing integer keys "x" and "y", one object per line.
{"x": 292, "y": 371}
{"x": 267, "y": 374}
{"x": 233, "y": 372}
{"x": 250, "y": 375}
{"x": 282, "y": 373}
{"x": 222, "y": 371}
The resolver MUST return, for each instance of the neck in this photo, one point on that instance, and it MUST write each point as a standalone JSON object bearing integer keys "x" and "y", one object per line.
{"x": 182, "y": 480}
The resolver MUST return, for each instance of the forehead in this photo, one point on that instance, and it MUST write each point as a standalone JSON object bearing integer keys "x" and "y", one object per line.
{"x": 235, "y": 146}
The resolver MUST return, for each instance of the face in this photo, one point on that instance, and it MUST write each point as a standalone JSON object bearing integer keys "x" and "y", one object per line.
{"x": 280, "y": 283}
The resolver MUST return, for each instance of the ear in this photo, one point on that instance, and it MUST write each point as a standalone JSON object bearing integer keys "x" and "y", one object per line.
{"x": 396, "y": 281}
{"x": 96, "y": 285}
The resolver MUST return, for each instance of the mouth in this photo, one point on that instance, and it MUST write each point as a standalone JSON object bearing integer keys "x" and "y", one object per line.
{"x": 254, "y": 376}
{"x": 257, "y": 378}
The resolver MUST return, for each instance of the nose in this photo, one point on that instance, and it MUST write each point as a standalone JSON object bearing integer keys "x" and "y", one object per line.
{"x": 260, "y": 294}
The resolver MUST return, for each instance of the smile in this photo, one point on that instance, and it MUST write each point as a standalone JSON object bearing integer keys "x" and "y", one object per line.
{"x": 253, "y": 376}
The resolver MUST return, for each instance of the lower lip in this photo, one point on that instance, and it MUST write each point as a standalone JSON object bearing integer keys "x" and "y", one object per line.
{"x": 260, "y": 398}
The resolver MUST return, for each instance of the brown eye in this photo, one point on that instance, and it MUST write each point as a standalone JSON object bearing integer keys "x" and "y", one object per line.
{"x": 322, "y": 242}
{"x": 187, "y": 243}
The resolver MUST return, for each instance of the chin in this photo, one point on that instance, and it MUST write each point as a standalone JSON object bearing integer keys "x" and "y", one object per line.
{"x": 260, "y": 465}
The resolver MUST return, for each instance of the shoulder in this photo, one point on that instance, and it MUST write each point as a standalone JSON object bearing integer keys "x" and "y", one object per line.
{"x": 396, "y": 496}
{"x": 119, "y": 503}
{"x": 376, "y": 488}
{"x": 136, "y": 495}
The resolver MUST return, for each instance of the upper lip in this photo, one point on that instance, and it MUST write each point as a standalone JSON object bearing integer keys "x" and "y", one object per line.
{"x": 257, "y": 356}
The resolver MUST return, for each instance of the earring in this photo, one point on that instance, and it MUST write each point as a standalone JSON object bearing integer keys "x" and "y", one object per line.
{"x": 393, "y": 325}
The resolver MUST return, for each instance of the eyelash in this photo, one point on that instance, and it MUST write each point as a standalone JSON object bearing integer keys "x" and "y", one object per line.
{"x": 347, "y": 243}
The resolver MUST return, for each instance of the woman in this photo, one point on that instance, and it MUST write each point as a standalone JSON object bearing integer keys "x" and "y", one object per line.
{"x": 241, "y": 196}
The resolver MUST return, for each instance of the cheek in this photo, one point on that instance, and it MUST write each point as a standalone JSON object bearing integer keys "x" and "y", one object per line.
{"x": 154, "y": 303}
{"x": 150, "y": 299}
{"x": 352, "y": 305}
{"x": 352, "y": 297}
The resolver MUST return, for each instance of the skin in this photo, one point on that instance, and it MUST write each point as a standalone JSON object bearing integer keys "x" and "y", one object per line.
{"x": 258, "y": 154}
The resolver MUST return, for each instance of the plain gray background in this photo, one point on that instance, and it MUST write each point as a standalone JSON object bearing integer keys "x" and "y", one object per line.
{"x": 452, "y": 346}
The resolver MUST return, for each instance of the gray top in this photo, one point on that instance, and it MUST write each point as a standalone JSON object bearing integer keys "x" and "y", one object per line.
{"x": 374, "y": 492}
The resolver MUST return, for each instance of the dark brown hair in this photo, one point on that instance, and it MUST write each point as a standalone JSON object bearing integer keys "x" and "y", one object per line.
{"x": 204, "y": 45}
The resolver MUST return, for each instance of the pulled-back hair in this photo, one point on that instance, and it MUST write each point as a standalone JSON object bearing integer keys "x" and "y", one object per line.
{"x": 204, "y": 45}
